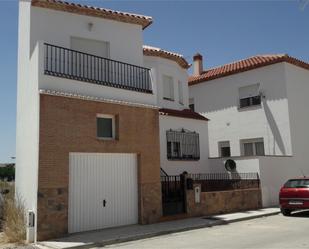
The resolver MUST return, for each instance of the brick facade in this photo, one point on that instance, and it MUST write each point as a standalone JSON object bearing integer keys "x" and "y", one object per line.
{"x": 69, "y": 125}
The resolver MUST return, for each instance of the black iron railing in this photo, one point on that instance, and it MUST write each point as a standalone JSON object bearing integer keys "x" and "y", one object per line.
{"x": 226, "y": 176}
{"x": 226, "y": 181}
{"x": 72, "y": 64}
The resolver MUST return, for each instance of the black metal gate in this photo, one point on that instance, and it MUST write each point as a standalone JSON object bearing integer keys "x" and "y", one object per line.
{"x": 173, "y": 195}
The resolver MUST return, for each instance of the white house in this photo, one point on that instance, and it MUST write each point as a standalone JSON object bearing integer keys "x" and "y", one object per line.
{"x": 98, "y": 115}
{"x": 169, "y": 71}
{"x": 258, "y": 116}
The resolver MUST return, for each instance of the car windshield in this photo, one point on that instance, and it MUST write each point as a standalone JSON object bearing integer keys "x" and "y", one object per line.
{"x": 297, "y": 183}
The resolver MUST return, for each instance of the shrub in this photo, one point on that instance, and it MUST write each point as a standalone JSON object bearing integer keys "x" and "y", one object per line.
{"x": 14, "y": 225}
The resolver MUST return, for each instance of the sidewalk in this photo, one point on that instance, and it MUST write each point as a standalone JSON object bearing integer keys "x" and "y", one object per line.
{"x": 134, "y": 232}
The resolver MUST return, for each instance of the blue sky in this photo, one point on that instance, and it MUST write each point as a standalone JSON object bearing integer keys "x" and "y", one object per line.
{"x": 222, "y": 31}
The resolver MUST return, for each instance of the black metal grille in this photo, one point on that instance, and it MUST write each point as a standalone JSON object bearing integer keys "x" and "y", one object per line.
{"x": 182, "y": 145}
{"x": 226, "y": 181}
{"x": 173, "y": 195}
{"x": 71, "y": 64}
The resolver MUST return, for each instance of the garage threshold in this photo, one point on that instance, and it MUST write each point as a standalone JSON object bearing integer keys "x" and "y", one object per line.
{"x": 109, "y": 236}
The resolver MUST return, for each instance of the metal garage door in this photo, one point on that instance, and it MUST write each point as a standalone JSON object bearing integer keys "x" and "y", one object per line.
{"x": 102, "y": 191}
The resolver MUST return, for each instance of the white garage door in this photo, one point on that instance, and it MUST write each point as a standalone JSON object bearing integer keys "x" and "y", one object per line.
{"x": 103, "y": 191}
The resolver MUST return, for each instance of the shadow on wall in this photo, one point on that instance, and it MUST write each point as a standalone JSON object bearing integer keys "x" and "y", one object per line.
{"x": 274, "y": 129}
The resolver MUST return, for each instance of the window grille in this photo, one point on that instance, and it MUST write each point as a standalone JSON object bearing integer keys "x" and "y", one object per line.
{"x": 182, "y": 145}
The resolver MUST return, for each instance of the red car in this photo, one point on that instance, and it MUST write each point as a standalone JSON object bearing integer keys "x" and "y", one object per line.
{"x": 294, "y": 195}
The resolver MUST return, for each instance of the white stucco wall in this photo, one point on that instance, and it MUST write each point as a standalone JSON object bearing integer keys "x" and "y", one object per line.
{"x": 273, "y": 171}
{"x": 176, "y": 167}
{"x": 27, "y": 127}
{"x": 297, "y": 91}
{"x": 125, "y": 42}
{"x": 219, "y": 100}
{"x": 160, "y": 67}
{"x": 57, "y": 27}
{"x": 243, "y": 165}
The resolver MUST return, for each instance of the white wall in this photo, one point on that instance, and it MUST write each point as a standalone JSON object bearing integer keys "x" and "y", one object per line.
{"x": 125, "y": 42}
{"x": 160, "y": 67}
{"x": 27, "y": 127}
{"x": 243, "y": 165}
{"x": 274, "y": 171}
{"x": 57, "y": 27}
{"x": 173, "y": 167}
{"x": 218, "y": 100}
{"x": 298, "y": 90}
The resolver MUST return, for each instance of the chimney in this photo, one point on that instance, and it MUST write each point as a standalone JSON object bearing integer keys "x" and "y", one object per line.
{"x": 197, "y": 64}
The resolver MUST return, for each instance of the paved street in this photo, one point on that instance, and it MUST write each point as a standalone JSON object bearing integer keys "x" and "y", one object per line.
{"x": 269, "y": 232}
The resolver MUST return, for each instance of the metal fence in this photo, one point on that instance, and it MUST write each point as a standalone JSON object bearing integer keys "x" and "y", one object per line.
{"x": 72, "y": 64}
{"x": 225, "y": 181}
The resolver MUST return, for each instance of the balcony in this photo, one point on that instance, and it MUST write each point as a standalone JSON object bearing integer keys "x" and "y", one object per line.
{"x": 76, "y": 65}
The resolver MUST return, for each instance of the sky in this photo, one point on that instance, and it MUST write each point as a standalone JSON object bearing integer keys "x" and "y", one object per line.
{"x": 222, "y": 31}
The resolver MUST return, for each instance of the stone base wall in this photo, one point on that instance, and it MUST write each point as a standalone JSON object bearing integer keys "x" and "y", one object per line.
{"x": 53, "y": 206}
{"x": 223, "y": 201}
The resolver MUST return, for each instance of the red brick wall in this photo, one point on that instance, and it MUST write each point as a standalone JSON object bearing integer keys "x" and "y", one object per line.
{"x": 69, "y": 125}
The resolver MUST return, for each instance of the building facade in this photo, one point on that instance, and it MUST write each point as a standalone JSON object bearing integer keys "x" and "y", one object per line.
{"x": 95, "y": 114}
{"x": 256, "y": 110}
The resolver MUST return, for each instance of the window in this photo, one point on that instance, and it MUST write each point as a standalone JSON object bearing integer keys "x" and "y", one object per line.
{"x": 191, "y": 104}
{"x": 253, "y": 147}
{"x": 106, "y": 126}
{"x": 297, "y": 183}
{"x": 224, "y": 149}
{"x": 182, "y": 145}
{"x": 180, "y": 92}
{"x": 249, "y": 96}
{"x": 168, "y": 88}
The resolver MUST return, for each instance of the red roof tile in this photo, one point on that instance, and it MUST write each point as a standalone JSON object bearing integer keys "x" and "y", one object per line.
{"x": 185, "y": 113}
{"x": 178, "y": 58}
{"x": 245, "y": 65}
{"x": 94, "y": 11}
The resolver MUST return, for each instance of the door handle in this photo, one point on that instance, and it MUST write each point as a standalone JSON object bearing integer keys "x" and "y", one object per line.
{"x": 104, "y": 203}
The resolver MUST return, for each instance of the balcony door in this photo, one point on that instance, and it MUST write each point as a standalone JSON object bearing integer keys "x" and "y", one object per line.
{"x": 88, "y": 62}
{"x": 98, "y": 48}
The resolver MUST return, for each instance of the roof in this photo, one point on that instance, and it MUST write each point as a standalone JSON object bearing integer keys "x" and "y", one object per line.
{"x": 245, "y": 65}
{"x": 142, "y": 20}
{"x": 185, "y": 113}
{"x": 178, "y": 58}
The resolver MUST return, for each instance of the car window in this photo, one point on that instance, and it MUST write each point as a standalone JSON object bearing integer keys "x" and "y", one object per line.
{"x": 297, "y": 183}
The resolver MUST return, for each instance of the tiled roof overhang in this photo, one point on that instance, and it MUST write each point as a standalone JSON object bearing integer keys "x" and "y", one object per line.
{"x": 178, "y": 58}
{"x": 245, "y": 65}
{"x": 185, "y": 113}
{"x": 142, "y": 20}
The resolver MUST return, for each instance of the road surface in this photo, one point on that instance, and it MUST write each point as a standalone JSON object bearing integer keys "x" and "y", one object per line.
{"x": 273, "y": 232}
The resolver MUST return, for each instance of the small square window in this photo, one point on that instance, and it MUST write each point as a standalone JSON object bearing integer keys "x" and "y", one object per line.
{"x": 224, "y": 149}
{"x": 106, "y": 126}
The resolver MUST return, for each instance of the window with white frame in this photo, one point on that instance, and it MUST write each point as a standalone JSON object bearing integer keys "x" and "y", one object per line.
{"x": 182, "y": 145}
{"x": 249, "y": 96}
{"x": 180, "y": 92}
{"x": 168, "y": 87}
{"x": 253, "y": 147}
{"x": 106, "y": 126}
{"x": 224, "y": 149}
